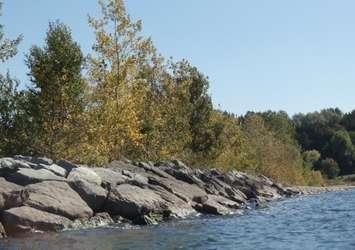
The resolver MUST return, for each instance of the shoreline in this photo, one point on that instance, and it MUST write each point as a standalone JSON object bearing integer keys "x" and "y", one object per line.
{"x": 40, "y": 195}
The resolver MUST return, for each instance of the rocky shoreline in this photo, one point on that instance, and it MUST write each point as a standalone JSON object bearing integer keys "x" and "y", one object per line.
{"x": 39, "y": 195}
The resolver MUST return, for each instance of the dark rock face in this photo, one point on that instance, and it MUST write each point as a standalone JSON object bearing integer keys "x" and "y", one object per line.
{"x": 9, "y": 194}
{"x": 92, "y": 194}
{"x": 132, "y": 201}
{"x": 57, "y": 198}
{"x": 21, "y": 220}
{"x": 37, "y": 194}
{"x": 26, "y": 176}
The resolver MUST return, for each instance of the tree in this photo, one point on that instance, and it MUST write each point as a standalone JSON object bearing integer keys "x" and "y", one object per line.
{"x": 8, "y": 47}
{"x": 341, "y": 149}
{"x": 329, "y": 168}
{"x": 57, "y": 95}
{"x": 9, "y": 98}
{"x": 119, "y": 89}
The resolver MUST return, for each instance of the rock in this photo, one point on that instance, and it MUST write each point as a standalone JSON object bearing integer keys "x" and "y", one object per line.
{"x": 99, "y": 220}
{"x": 177, "y": 207}
{"x": 67, "y": 165}
{"x": 26, "y": 219}
{"x": 132, "y": 202}
{"x": 26, "y": 176}
{"x": 151, "y": 168}
{"x": 9, "y": 194}
{"x": 92, "y": 194}
{"x": 109, "y": 177}
{"x": 86, "y": 174}
{"x": 57, "y": 170}
{"x": 2, "y": 231}
{"x": 135, "y": 178}
{"x": 212, "y": 206}
{"x": 8, "y": 165}
{"x": 57, "y": 198}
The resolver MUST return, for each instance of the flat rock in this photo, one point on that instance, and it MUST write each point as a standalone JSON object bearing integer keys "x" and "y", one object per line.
{"x": 86, "y": 174}
{"x": 26, "y": 219}
{"x": 58, "y": 198}
{"x": 9, "y": 194}
{"x": 92, "y": 194}
{"x": 132, "y": 201}
{"x": 26, "y": 176}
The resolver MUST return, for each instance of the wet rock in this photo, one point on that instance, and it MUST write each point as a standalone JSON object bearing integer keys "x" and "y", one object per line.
{"x": 92, "y": 194}
{"x": 25, "y": 219}
{"x": 2, "y": 231}
{"x": 26, "y": 176}
{"x": 57, "y": 198}
{"x": 10, "y": 194}
{"x": 99, "y": 220}
{"x": 132, "y": 201}
{"x": 84, "y": 173}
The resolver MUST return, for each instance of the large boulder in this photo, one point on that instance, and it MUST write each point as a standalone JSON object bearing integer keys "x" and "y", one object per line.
{"x": 92, "y": 194}
{"x": 132, "y": 202}
{"x": 10, "y": 194}
{"x": 26, "y": 219}
{"x": 26, "y": 176}
{"x": 84, "y": 173}
{"x": 58, "y": 198}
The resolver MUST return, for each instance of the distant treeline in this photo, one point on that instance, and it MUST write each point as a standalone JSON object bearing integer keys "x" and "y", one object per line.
{"x": 126, "y": 100}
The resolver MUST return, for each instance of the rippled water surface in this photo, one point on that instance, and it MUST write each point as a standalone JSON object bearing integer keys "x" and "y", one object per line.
{"x": 325, "y": 221}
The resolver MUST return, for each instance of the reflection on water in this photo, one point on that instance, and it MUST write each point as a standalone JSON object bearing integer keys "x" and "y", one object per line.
{"x": 325, "y": 221}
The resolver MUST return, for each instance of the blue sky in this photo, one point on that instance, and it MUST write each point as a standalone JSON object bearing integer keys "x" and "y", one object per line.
{"x": 297, "y": 56}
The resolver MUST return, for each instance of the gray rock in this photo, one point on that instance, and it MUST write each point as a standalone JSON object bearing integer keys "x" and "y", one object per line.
{"x": 86, "y": 174}
{"x": 67, "y": 165}
{"x": 109, "y": 177}
{"x": 10, "y": 195}
{"x": 58, "y": 198}
{"x": 11, "y": 165}
{"x": 24, "y": 219}
{"x": 92, "y": 194}
{"x": 212, "y": 206}
{"x": 54, "y": 168}
{"x": 26, "y": 176}
{"x": 132, "y": 202}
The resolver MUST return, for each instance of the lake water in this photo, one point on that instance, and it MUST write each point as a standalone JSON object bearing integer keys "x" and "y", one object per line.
{"x": 325, "y": 221}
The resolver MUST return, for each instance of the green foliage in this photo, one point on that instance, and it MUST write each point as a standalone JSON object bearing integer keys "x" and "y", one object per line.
{"x": 57, "y": 95}
{"x": 329, "y": 168}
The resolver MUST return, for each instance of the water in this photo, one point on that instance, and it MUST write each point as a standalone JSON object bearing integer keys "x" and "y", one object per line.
{"x": 325, "y": 221}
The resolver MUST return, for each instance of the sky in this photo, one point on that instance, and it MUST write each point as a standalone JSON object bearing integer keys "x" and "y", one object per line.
{"x": 296, "y": 56}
